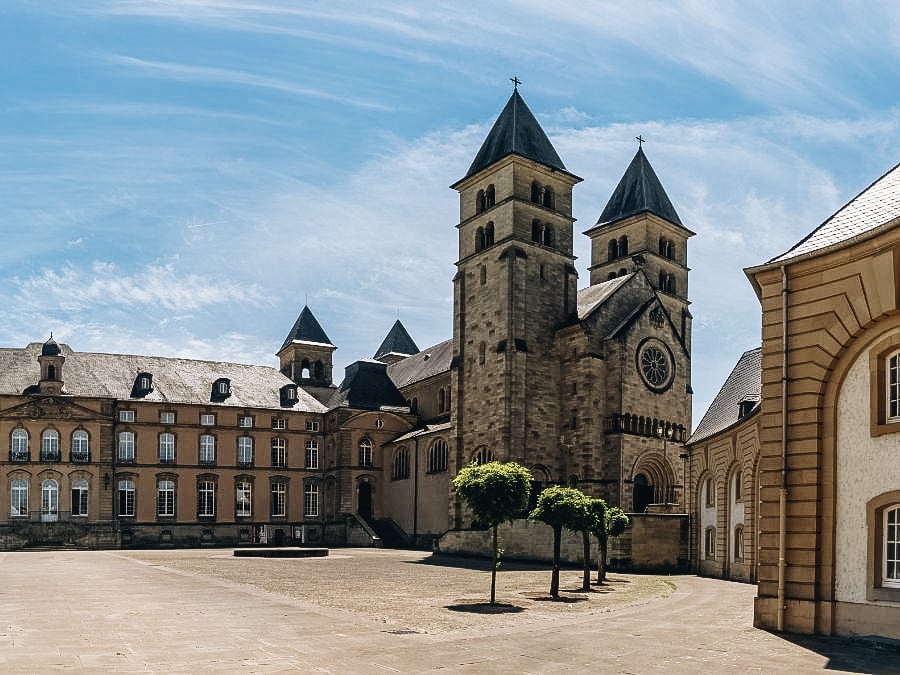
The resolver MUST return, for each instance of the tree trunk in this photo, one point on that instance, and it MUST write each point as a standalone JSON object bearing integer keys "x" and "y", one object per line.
{"x": 601, "y": 565}
{"x": 494, "y": 568}
{"x": 586, "y": 543}
{"x": 554, "y": 576}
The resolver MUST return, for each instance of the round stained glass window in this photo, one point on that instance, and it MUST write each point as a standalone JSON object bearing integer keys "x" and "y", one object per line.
{"x": 655, "y": 364}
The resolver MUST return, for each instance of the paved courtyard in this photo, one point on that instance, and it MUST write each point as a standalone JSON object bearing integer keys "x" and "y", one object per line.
{"x": 368, "y": 611}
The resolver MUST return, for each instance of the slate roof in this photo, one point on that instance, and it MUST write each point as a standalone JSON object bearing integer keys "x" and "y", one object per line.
{"x": 592, "y": 297}
{"x": 516, "y": 132}
{"x": 878, "y": 204}
{"x": 175, "y": 380}
{"x": 427, "y": 363}
{"x": 638, "y": 191}
{"x": 743, "y": 384}
{"x": 428, "y": 429}
{"x": 367, "y": 386}
{"x": 306, "y": 329}
{"x": 397, "y": 341}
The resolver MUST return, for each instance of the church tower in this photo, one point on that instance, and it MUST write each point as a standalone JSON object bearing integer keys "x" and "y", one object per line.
{"x": 515, "y": 286}
{"x": 639, "y": 228}
{"x": 306, "y": 354}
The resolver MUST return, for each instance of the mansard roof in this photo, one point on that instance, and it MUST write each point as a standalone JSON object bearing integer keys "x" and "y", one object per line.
{"x": 877, "y": 205}
{"x": 639, "y": 191}
{"x": 306, "y": 329}
{"x": 175, "y": 380}
{"x": 516, "y": 132}
{"x": 397, "y": 341}
{"x": 427, "y": 363}
{"x": 367, "y": 386}
{"x": 744, "y": 384}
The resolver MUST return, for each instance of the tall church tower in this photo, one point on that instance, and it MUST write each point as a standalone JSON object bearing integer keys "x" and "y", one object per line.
{"x": 639, "y": 228}
{"x": 515, "y": 286}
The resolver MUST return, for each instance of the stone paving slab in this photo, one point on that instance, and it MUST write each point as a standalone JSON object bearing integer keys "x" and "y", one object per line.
{"x": 182, "y": 611}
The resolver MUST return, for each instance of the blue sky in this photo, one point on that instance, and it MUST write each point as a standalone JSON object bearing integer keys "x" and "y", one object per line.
{"x": 179, "y": 177}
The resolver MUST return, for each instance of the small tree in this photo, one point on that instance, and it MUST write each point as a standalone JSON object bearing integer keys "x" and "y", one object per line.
{"x": 599, "y": 510}
{"x": 561, "y": 507}
{"x": 614, "y": 522}
{"x": 496, "y": 493}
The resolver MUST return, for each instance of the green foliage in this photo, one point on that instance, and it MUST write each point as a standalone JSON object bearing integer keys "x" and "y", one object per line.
{"x": 566, "y": 507}
{"x": 495, "y": 492}
{"x": 600, "y": 510}
{"x": 616, "y": 521}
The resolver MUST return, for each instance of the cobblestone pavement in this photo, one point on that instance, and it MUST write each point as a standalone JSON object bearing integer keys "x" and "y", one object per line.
{"x": 366, "y": 611}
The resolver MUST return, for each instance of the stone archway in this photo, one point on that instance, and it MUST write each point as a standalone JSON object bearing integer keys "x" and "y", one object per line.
{"x": 364, "y": 500}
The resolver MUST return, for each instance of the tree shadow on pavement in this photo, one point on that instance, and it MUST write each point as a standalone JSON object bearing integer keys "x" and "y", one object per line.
{"x": 480, "y": 564}
{"x": 485, "y": 608}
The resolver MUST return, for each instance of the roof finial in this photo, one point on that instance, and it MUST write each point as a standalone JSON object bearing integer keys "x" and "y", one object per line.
{"x": 516, "y": 82}
{"x": 640, "y": 140}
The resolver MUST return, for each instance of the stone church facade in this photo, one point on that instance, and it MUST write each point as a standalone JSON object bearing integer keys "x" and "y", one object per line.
{"x": 586, "y": 387}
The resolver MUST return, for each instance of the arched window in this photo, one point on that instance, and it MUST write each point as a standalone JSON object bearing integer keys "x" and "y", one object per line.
{"x": 623, "y": 246}
{"x": 79, "y": 497}
{"x": 483, "y": 456}
{"x": 401, "y": 464}
{"x": 535, "y": 192}
{"x": 536, "y": 231}
{"x": 739, "y": 542}
{"x": 548, "y": 235}
{"x": 365, "y": 452}
{"x": 304, "y": 369}
{"x": 710, "y": 491}
{"x": 319, "y": 370}
{"x": 81, "y": 449}
{"x": 489, "y": 234}
{"x": 548, "y": 197}
{"x": 479, "y": 201}
{"x": 49, "y": 500}
{"x": 437, "y": 456}
{"x": 662, "y": 246}
{"x": 709, "y": 543}
{"x": 738, "y": 492}
{"x": 19, "y": 445}
{"x": 50, "y": 445}
{"x": 890, "y": 576}
{"x": 489, "y": 197}
{"x": 441, "y": 400}
{"x": 482, "y": 272}
{"x": 479, "y": 239}
{"x": 482, "y": 349}
{"x": 18, "y": 505}
{"x": 613, "y": 249}
{"x": 51, "y": 372}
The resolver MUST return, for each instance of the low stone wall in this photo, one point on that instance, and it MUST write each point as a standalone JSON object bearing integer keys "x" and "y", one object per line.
{"x": 652, "y": 543}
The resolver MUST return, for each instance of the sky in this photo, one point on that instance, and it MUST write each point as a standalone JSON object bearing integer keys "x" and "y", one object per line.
{"x": 180, "y": 177}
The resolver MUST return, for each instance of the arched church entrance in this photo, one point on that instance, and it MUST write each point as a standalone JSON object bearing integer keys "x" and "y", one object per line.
{"x": 643, "y": 494}
{"x": 364, "y": 501}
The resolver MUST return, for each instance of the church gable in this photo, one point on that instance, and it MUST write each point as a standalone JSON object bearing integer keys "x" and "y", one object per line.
{"x": 50, "y": 408}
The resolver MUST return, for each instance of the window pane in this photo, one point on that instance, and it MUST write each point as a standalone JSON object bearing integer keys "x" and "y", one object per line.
{"x": 207, "y": 449}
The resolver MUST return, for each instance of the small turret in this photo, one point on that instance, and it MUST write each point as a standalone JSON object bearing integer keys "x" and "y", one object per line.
{"x": 51, "y": 361}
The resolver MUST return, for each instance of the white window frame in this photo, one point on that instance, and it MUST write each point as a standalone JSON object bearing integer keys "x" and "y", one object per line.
{"x": 279, "y": 423}
{"x": 278, "y": 499}
{"x": 50, "y": 445}
{"x": 207, "y": 419}
{"x": 245, "y": 421}
{"x": 245, "y": 450}
{"x": 79, "y": 498}
{"x": 206, "y": 499}
{"x": 892, "y": 386}
{"x": 165, "y": 497}
{"x": 207, "y": 449}
{"x": 167, "y": 417}
{"x": 311, "y": 500}
{"x": 243, "y": 499}
{"x": 126, "y": 415}
{"x": 312, "y": 425}
{"x": 81, "y": 445}
{"x": 890, "y": 569}
{"x": 365, "y": 452}
{"x": 18, "y": 498}
{"x": 19, "y": 443}
{"x": 125, "y": 497}
{"x": 126, "y": 447}
{"x": 166, "y": 448}
{"x": 312, "y": 454}
{"x": 49, "y": 500}
{"x": 279, "y": 452}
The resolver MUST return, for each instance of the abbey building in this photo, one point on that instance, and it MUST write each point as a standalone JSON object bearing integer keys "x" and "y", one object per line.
{"x": 586, "y": 386}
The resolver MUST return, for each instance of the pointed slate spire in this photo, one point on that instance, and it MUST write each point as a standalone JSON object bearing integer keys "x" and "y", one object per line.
{"x": 639, "y": 191}
{"x": 397, "y": 342}
{"x": 516, "y": 132}
{"x": 306, "y": 329}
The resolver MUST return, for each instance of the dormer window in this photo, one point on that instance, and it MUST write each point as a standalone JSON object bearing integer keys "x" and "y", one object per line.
{"x": 288, "y": 394}
{"x": 143, "y": 385}
{"x": 745, "y": 408}
{"x": 221, "y": 388}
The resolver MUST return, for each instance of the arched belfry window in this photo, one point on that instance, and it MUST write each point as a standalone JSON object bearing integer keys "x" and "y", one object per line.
{"x": 547, "y": 197}
{"x": 535, "y": 192}
{"x": 489, "y": 197}
{"x": 479, "y": 201}
{"x": 548, "y": 235}
{"x": 623, "y": 246}
{"x": 51, "y": 372}
{"x": 613, "y": 249}
{"x": 479, "y": 239}
{"x": 489, "y": 234}
{"x": 535, "y": 231}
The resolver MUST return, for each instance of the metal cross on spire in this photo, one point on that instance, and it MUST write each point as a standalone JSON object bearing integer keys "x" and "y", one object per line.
{"x": 516, "y": 82}
{"x": 640, "y": 140}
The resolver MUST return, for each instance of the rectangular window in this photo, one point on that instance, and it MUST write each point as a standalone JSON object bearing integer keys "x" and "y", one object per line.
{"x": 311, "y": 500}
{"x": 165, "y": 498}
{"x": 245, "y": 421}
{"x": 279, "y": 500}
{"x": 79, "y": 498}
{"x": 126, "y": 415}
{"x": 312, "y": 425}
{"x": 278, "y": 423}
{"x": 80, "y": 446}
{"x": 243, "y": 494}
{"x": 167, "y": 418}
{"x": 206, "y": 498}
{"x": 207, "y": 420}
{"x": 126, "y": 446}
{"x": 245, "y": 451}
{"x": 279, "y": 452}
{"x": 167, "y": 448}
{"x": 19, "y": 498}
{"x": 891, "y": 576}
{"x": 312, "y": 454}
{"x": 893, "y": 392}
{"x": 207, "y": 449}
{"x": 50, "y": 446}
{"x": 126, "y": 497}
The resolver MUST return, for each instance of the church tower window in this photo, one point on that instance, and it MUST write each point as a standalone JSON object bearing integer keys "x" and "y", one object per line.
{"x": 613, "y": 249}
{"x": 479, "y": 239}
{"x": 623, "y": 246}
{"x": 489, "y": 197}
{"x": 547, "y": 197}
{"x": 489, "y": 235}
{"x": 535, "y": 192}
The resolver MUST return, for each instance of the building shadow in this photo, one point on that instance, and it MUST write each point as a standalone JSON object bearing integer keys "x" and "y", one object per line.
{"x": 852, "y": 655}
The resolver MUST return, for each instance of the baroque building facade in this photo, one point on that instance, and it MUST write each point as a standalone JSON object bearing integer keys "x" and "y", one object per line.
{"x": 586, "y": 387}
